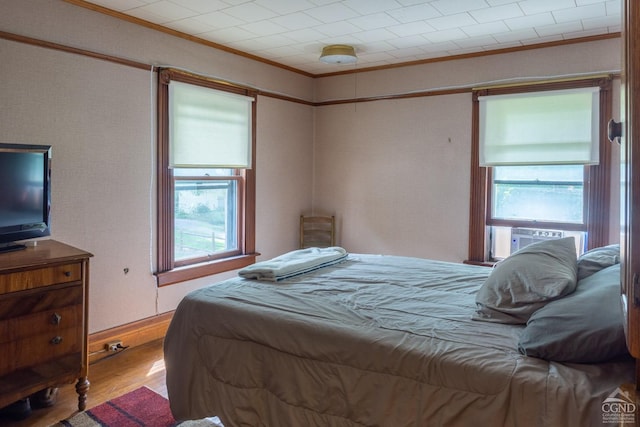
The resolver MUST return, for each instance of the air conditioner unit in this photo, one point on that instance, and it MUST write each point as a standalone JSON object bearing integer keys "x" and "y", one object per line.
{"x": 521, "y": 237}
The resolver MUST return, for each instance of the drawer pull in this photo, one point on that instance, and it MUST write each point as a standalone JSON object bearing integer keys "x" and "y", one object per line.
{"x": 55, "y": 319}
{"x": 56, "y": 340}
{"x": 67, "y": 273}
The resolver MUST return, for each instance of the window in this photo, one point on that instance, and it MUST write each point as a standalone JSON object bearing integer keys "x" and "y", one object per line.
{"x": 545, "y": 176}
{"x": 206, "y": 182}
{"x": 206, "y": 214}
{"x": 542, "y": 193}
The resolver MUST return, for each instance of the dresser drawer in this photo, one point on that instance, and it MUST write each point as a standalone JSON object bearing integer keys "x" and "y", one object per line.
{"x": 41, "y": 348}
{"x": 46, "y": 276}
{"x": 18, "y": 304}
{"x": 49, "y": 322}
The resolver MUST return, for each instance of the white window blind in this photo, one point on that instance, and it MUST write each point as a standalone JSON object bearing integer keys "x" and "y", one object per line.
{"x": 208, "y": 128}
{"x": 549, "y": 127}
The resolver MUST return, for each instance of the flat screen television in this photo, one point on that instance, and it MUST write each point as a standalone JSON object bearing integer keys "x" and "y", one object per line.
{"x": 25, "y": 194}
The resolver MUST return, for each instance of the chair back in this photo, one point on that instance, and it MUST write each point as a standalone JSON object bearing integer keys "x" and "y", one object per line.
{"x": 317, "y": 231}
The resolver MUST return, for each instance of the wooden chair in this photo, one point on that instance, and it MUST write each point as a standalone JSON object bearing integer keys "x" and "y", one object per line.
{"x": 317, "y": 231}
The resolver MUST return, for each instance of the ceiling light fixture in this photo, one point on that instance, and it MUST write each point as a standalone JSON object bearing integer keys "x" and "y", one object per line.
{"x": 338, "y": 54}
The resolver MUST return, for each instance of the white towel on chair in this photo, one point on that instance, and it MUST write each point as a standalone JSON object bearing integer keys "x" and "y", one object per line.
{"x": 294, "y": 263}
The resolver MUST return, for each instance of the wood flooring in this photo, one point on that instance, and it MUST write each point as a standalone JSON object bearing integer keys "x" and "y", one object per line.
{"x": 110, "y": 377}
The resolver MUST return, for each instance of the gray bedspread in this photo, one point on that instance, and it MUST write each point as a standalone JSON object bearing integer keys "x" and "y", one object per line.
{"x": 372, "y": 341}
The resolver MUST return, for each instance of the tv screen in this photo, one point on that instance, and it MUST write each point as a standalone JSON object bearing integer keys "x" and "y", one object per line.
{"x": 25, "y": 193}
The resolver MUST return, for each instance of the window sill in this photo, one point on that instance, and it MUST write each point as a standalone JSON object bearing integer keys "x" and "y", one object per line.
{"x": 196, "y": 271}
{"x": 480, "y": 263}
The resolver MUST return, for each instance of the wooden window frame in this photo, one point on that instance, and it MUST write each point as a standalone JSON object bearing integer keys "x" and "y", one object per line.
{"x": 598, "y": 177}
{"x": 167, "y": 271}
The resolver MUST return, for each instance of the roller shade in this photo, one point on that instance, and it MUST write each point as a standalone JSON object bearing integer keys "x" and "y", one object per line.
{"x": 208, "y": 128}
{"x": 549, "y": 127}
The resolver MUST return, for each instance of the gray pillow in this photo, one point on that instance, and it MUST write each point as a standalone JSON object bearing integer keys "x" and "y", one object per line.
{"x": 584, "y": 327}
{"x": 596, "y": 259}
{"x": 527, "y": 280}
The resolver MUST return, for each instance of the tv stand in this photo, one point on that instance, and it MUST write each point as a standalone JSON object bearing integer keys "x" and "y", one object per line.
{"x": 10, "y": 247}
{"x": 43, "y": 320}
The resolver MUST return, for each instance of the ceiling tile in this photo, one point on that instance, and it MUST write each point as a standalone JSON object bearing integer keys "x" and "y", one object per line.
{"x": 497, "y": 13}
{"x": 383, "y": 32}
{"x": 228, "y": 35}
{"x": 530, "y": 21}
{"x": 250, "y": 12}
{"x": 374, "y": 35}
{"x": 476, "y": 42}
{"x": 332, "y": 13}
{"x": 283, "y": 7}
{"x": 411, "y": 28}
{"x": 367, "y": 7}
{"x": 485, "y": 29}
{"x": 451, "y": 21}
{"x": 373, "y": 21}
{"x": 556, "y": 29}
{"x": 202, "y": 6}
{"x": 305, "y": 35}
{"x": 167, "y": 10}
{"x": 337, "y": 29}
{"x": 532, "y": 7}
{"x": 296, "y": 21}
{"x": 219, "y": 20}
{"x": 581, "y": 12}
{"x": 449, "y": 7}
{"x": 407, "y": 42}
{"x": 263, "y": 28}
{"x": 446, "y": 35}
{"x": 414, "y": 13}
{"x": 191, "y": 25}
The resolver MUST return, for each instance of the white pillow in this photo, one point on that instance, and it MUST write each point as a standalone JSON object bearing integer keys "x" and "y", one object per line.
{"x": 527, "y": 280}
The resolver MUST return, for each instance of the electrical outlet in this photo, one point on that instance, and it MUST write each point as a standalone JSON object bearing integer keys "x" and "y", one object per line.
{"x": 113, "y": 346}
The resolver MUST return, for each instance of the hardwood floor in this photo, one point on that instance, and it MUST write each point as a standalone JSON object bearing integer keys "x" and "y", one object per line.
{"x": 110, "y": 377}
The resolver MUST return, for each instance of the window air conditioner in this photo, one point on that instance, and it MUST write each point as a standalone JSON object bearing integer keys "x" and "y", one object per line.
{"x": 521, "y": 237}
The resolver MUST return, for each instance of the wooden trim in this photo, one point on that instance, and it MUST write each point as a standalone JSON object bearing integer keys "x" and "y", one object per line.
{"x": 190, "y": 272}
{"x": 168, "y": 74}
{"x": 68, "y": 49}
{"x": 164, "y": 186}
{"x": 419, "y": 94}
{"x": 478, "y": 197}
{"x": 600, "y": 177}
{"x": 131, "y": 334}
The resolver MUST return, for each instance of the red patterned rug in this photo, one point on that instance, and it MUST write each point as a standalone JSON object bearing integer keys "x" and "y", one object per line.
{"x": 139, "y": 408}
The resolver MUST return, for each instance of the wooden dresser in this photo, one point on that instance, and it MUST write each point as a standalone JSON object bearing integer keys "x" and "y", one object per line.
{"x": 43, "y": 320}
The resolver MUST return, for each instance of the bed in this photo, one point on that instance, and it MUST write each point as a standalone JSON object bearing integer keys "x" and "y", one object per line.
{"x": 373, "y": 340}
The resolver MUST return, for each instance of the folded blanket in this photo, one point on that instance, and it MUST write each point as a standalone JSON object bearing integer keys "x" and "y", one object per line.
{"x": 294, "y": 263}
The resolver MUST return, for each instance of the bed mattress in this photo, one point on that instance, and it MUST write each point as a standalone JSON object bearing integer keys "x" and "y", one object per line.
{"x": 372, "y": 341}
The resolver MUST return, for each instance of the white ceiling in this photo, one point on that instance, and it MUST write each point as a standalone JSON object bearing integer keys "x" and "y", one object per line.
{"x": 383, "y": 32}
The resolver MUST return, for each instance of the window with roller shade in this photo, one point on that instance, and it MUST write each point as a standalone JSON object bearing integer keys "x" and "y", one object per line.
{"x": 206, "y": 182}
{"x": 538, "y": 164}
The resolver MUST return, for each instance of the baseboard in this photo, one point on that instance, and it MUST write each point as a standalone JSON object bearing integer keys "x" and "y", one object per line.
{"x": 131, "y": 335}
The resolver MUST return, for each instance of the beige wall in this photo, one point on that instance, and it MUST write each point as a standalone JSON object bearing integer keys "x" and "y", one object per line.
{"x": 395, "y": 172}
{"x": 100, "y": 119}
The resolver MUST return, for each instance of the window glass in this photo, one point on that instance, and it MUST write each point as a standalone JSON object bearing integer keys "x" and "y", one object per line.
{"x": 206, "y": 214}
{"x": 548, "y": 193}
